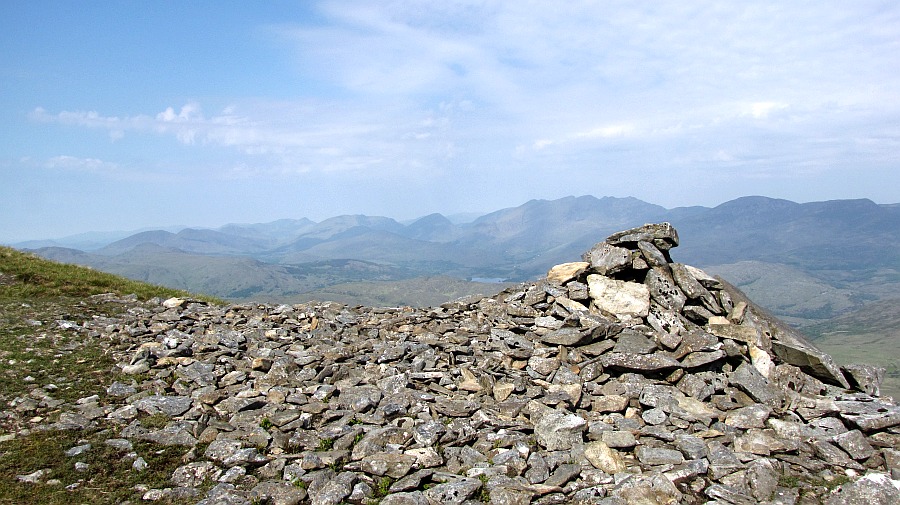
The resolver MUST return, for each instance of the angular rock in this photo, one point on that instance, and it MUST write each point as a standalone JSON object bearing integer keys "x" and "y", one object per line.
{"x": 335, "y": 490}
{"x": 606, "y": 259}
{"x": 744, "y": 418}
{"x": 413, "y": 498}
{"x": 633, "y": 343}
{"x": 638, "y": 362}
{"x": 566, "y": 336}
{"x": 664, "y": 290}
{"x": 658, "y": 456}
{"x": 855, "y": 444}
{"x": 171, "y": 406}
{"x": 392, "y": 464}
{"x": 620, "y": 298}
{"x": 277, "y": 493}
{"x": 811, "y": 361}
{"x": 662, "y": 235}
{"x": 556, "y": 431}
{"x": 869, "y": 415}
{"x": 604, "y": 458}
{"x": 653, "y": 256}
{"x": 567, "y": 271}
{"x": 741, "y": 333}
{"x": 453, "y": 492}
{"x": 754, "y": 384}
{"x": 872, "y": 489}
{"x": 865, "y": 378}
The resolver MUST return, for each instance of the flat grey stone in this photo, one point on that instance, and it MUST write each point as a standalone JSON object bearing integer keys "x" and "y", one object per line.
{"x": 633, "y": 343}
{"x": 811, "y": 361}
{"x": 412, "y": 498}
{"x": 700, "y": 359}
{"x": 453, "y": 492}
{"x": 169, "y": 405}
{"x": 277, "y": 493}
{"x": 638, "y": 362}
{"x": 658, "y": 456}
{"x": 754, "y": 384}
{"x": 392, "y": 464}
{"x": 563, "y": 474}
{"x": 606, "y": 259}
{"x": 566, "y": 336}
{"x": 744, "y": 418}
{"x": 556, "y": 431}
{"x": 855, "y": 444}
{"x": 334, "y": 490}
{"x": 872, "y": 489}
{"x": 195, "y": 473}
{"x": 869, "y": 416}
{"x": 662, "y": 235}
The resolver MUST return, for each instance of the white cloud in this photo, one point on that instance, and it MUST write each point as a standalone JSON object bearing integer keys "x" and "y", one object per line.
{"x": 93, "y": 165}
{"x": 762, "y": 110}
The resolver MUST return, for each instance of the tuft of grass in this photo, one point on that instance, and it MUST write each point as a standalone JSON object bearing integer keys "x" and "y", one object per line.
{"x": 789, "y": 481}
{"x": 484, "y": 495}
{"x": 383, "y": 487}
{"x": 155, "y": 421}
{"x": 325, "y": 444}
{"x": 795, "y": 481}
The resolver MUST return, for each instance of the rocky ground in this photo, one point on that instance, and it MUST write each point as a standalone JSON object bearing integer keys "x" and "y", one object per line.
{"x": 621, "y": 379}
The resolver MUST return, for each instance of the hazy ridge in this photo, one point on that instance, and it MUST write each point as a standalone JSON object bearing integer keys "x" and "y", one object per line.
{"x": 805, "y": 262}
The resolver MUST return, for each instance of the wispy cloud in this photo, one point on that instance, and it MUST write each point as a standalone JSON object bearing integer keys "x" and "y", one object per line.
{"x": 92, "y": 165}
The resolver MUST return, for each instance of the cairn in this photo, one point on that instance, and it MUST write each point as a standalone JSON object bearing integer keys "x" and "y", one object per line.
{"x": 625, "y": 378}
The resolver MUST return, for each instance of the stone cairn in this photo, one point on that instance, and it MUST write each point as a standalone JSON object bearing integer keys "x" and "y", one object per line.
{"x": 625, "y": 378}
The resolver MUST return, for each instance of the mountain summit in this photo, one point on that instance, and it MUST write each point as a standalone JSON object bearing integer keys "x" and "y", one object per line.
{"x": 623, "y": 378}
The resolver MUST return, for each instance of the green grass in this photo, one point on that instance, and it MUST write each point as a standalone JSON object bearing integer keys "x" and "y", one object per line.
{"x": 325, "y": 444}
{"x": 109, "y": 478}
{"x": 26, "y": 276}
{"x": 43, "y": 364}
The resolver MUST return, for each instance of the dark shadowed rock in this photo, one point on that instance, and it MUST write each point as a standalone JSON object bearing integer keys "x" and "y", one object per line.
{"x": 662, "y": 235}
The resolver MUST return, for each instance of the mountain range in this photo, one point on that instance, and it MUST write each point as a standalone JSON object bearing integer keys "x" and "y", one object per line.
{"x": 805, "y": 262}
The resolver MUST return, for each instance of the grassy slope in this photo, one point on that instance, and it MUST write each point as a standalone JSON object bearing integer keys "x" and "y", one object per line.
{"x": 28, "y": 276}
{"x": 869, "y": 335}
{"x": 38, "y": 358}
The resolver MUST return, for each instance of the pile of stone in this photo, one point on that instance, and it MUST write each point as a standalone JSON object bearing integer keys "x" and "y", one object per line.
{"x": 625, "y": 378}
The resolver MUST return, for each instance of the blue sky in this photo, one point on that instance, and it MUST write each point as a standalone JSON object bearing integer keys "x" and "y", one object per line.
{"x": 122, "y": 115}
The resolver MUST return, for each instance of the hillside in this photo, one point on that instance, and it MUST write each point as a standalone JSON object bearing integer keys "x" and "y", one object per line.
{"x": 866, "y": 335}
{"x": 624, "y": 378}
{"x": 49, "y": 362}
